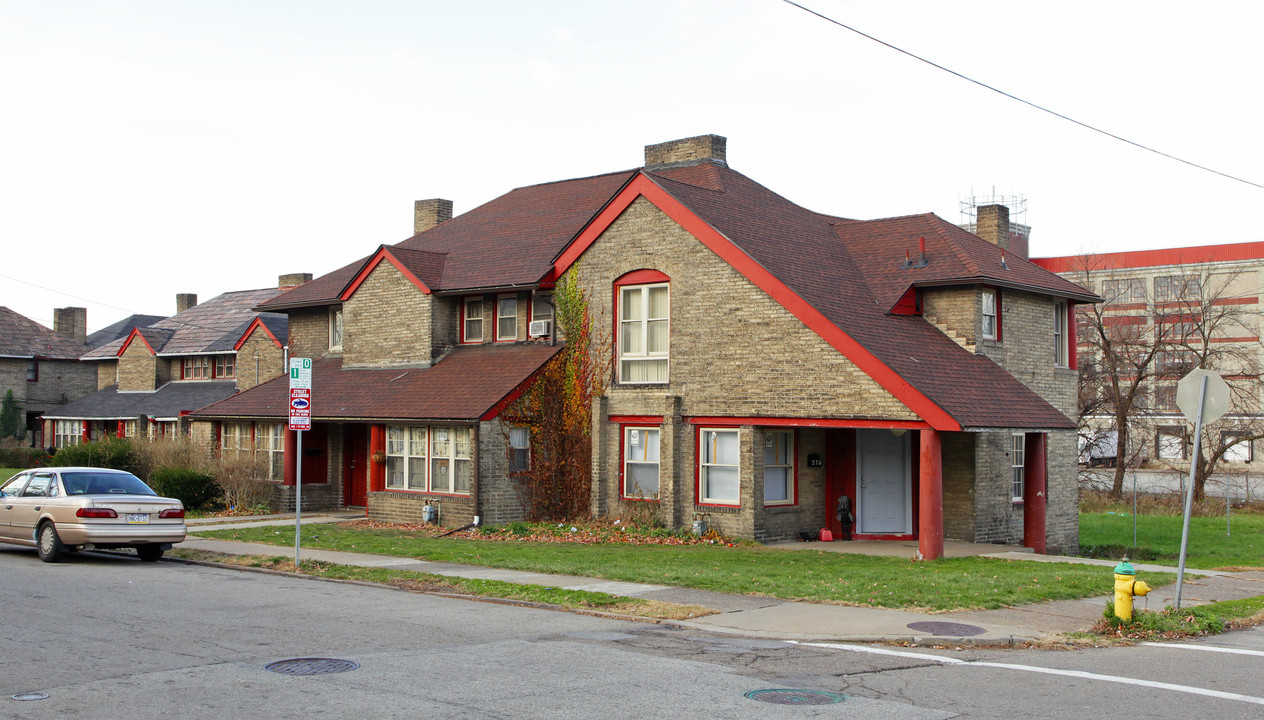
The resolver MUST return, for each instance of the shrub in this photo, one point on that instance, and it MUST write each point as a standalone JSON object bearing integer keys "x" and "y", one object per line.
{"x": 152, "y": 455}
{"x": 243, "y": 480}
{"x": 114, "y": 453}
{"x": 191, "y": 487}
{"x": 15, "y": 454}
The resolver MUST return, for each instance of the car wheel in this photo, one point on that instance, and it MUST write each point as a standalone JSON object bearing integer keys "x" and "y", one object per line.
{"x": 149, "y": 553}
{"x": 49, "y": 546}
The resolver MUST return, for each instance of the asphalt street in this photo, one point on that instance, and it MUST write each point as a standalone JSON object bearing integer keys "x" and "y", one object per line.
{"x": 111, "y": 637}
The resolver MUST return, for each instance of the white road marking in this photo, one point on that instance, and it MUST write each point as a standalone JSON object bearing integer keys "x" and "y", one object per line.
{"x": 1207, "y": 648}
{"x": 1048, "y": 671}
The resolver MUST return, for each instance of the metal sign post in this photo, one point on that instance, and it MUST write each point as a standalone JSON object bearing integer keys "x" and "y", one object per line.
{"x": 1212, "y": 403}
{"x": 300, "y": 420}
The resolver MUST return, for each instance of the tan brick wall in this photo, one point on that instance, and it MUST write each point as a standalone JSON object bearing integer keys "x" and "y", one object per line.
{"x": 138, "y": 368}
{"x": 107, "y": 373}
{"x": 309, "y": 332}
{"x": 258, "y": 360}
{"x": 734, "y": 350}
{"x": 387, "y": 322}
{"x": 957, "y": 310}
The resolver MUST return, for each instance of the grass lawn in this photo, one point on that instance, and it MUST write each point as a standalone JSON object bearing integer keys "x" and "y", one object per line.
{"x": 6, "y": 473}
{"x": 813, "y": 575}
{"x": 1159, "y": 539}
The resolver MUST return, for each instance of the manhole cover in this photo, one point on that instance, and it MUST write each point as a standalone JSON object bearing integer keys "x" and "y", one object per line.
{"x": 796, "y": 697}
{"x": 31, "y": 696}
{"x": 947, "y": 628}
{"x": 311, "y": 666}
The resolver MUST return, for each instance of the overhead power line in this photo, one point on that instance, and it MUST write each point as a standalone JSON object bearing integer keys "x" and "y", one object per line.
{"x": 1028, "y": 103}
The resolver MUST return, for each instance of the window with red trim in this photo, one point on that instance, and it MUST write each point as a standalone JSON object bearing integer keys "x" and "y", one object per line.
{"x": 506, "y": 318}
{"x": 719, "y": 474}
{"x": 640, "y": 463}
{"x": 779, "y": 468}
{"x": 644, "y": 327}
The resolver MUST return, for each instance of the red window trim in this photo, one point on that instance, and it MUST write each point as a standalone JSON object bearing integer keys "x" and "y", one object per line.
{"x": 632, "y": 422}
{"x": 697, "y": 466}
{"x": 794, "y": 469}
{"x": 496, "y": 317}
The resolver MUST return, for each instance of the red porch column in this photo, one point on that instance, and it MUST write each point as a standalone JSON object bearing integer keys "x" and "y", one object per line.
{"x": 1035, "y": 474}
{"x": 87, "y": 432}
{"x": 122, "y": 429}
{"x": 930, "y": 483}
{"x": 290, "y": 459}
{"x": 377, "y": 470}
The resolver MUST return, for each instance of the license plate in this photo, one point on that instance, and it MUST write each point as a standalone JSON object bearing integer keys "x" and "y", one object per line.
{"x": 137, "y": 518}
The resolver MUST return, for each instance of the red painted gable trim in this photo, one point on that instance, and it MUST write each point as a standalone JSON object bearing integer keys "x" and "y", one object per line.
{"x": 135, "y": 334}
{"x": 1152, "y": 258}
{"x": 372, "y": 263}
{"x": 807, "y": 422}
{"x": 641, "y": 185}
{"x": 246, "y": 335}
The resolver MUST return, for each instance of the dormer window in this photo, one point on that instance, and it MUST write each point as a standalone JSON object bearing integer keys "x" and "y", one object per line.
{"x": 472, "y": 320}
{"x": 506, "y": 318}
{"x": 991, "y": 319}
{"x": 208, "y": 367}
{"x": 335, "y": 329}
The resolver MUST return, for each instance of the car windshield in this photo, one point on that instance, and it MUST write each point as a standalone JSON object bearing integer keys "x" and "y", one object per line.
{"x": 90, "y": 483}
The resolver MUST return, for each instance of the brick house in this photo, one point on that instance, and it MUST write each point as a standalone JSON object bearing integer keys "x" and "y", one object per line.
{"x": 767, "y": 360}
{"x": 41, "y": 366}
{"x": 147, "y": 378}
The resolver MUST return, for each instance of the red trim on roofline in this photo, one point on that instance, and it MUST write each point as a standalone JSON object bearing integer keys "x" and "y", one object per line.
{"x": 246, "y": 335}
{"x": 515, "y": 393}
{"x": 131, "y": 336}
{"x": 371, "y": 264}
{"x": 1154, "y": 258}
{"x": 642, "y": 185}
{"x": 808, "y": 422}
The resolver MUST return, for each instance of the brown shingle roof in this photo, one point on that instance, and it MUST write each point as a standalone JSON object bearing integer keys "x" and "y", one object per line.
{"x": 22, "y": 337}
{"x": 212, "y": 326}
{"x": 464, "y": 385}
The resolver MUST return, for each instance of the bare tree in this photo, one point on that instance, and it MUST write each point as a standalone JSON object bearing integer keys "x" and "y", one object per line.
{"x": 1205, "y": 325}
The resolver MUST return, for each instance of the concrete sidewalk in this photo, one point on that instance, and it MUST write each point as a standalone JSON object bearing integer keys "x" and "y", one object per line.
{"x": 780, "y": 619}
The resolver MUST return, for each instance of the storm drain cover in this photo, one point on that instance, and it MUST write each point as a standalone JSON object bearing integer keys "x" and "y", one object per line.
{"x": 31, "y": 696}
{"x": 796, "y": 697}
{"x": 947, "y": 628}
{"x": 311, "y": 666}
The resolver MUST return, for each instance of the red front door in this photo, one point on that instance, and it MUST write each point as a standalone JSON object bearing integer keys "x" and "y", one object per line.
{"x": 355, "y": 468}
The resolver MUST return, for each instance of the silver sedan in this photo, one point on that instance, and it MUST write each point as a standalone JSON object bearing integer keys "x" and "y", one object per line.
{"x": 67, "y": 509}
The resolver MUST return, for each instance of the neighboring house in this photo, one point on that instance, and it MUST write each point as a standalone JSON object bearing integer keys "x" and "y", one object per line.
{"x": 150, "y": 377}
{"x": 1205, "y": 303}
{"x": 767, "y": 360}
{"x": 41, "y": 366}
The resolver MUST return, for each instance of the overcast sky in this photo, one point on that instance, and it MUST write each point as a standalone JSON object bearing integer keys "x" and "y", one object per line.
{"x": 159, "y": 147}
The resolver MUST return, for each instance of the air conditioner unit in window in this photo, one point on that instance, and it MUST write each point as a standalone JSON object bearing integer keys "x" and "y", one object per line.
{"x": 540, "y": 328}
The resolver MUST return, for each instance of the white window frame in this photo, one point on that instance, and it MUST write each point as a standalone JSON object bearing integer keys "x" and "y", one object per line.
{"x": 471, "y": 319}
{"x": 67, "y": 432}
{"x": 1018, "y": 466}
{"x": 634, "y": 438}
{"x": 709, "y": 464}
{"x": 1061, "y": 352}
{"x": 640, "y": 294}
{"x": 450, "y": 455}
{"x": 503, "y": 318}
{"x": 234, "y": 439}
{"x": 224, "y": 367}
{"x": 415, "y": 454}
{"x": 990, "y": 330}
{"x": 196, "y": 367}
{"x": 542, "y": 306}
{"x": 270, "y": 440}
{"x": 335, "y": 329}
{"x": 1168, "y": 440}
{"x": 781, "y": 461}
{"x": 1241, "y": 450}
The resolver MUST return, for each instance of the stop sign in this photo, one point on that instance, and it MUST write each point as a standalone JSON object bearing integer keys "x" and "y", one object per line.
{"x": 1216, "y": 401}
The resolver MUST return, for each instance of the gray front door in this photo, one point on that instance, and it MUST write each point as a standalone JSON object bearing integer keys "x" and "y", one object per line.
{"x": 882, "y": 474}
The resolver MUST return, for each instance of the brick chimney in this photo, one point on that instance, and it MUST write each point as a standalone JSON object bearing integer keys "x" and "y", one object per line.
{"x": 687, "y": 151}
{"x": 293, "y": 280}
{"x": 72, "y": 322}
{"x": 184, "y": 301}
{"x": 992, "y": 224}
{"x": 429, "y": 213}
